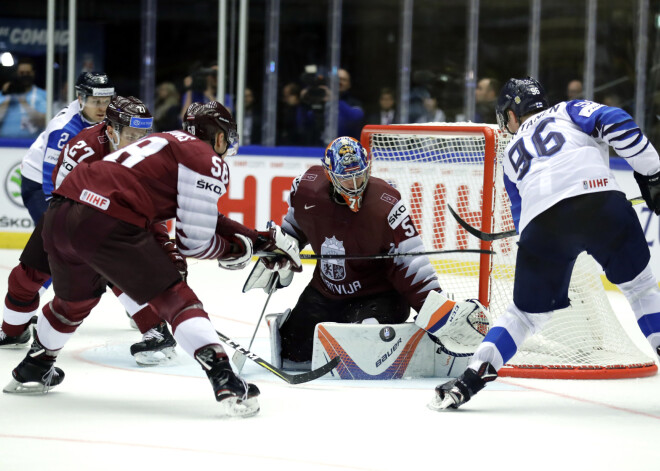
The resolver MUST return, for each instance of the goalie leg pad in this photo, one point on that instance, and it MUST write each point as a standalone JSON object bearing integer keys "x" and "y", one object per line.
{"x": 274, "y": 321}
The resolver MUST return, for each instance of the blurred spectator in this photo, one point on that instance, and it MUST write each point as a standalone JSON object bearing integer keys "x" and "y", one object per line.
{"x": 22, "y": 104}
{"x": 200, "y": 86}
{"x": 351, "y": 115}
{"x": 574, "y": 90}
{"x": 387, "y": 110}
{"x": 60, "y": 100}
{"x": 422, "y": 82}
{"x": 612, "y": 99}
{"x": 251, "y": 121}
{"x": 431, "y": 113}
{"x": 291, "y": 119}
{"x": 486, "y": 95}
{"x": 315, "y": 96}
{"x": 166, "y": 112}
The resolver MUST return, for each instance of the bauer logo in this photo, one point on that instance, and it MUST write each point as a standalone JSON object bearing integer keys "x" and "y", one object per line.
{"x": 94, "y": 199}
{"x": 13, "y": 185}
{"x": 389, "y": 353}
{"x": 387, "y": 334}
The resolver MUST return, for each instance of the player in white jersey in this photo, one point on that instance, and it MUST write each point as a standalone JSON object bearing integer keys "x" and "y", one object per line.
{"x": 564, "y": 201}
{"x": 94, "y": 92}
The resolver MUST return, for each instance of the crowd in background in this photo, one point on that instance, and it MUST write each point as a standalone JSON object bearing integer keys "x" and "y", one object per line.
{"x": 301, "y": 112}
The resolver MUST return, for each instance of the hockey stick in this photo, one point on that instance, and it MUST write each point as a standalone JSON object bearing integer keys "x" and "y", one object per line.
{"x": 305, "y": 256}
{"x": 289, "y": 378}
{"x": 238, "y": 358}
{"x": 488, "y": 237}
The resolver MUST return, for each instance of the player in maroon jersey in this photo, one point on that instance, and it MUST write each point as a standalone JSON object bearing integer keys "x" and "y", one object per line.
{"x": 95, "y": 232}
{"x": 338, "y": 208}
{"x": 127, "y": 120}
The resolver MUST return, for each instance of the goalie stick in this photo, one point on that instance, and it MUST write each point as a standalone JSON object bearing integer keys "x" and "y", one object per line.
{"x": 289, "y": 378}
{"x": 491, "y": 236}
{"x": 239, "y": 358}
{"x": 304, "y": 256}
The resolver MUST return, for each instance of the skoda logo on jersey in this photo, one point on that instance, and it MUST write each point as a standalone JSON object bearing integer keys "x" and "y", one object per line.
{"x": 333, "y": 269}
{"x": 387, "y": 333}
{"x": 13, "y": 185}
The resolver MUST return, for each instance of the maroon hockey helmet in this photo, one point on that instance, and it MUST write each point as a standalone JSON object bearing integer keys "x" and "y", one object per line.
{"x": 129, "y": 111}
{"x": 205, "y": 121}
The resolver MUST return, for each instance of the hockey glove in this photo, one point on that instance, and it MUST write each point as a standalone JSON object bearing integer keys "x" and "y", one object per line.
{"x": 177, "y": 259}
{"x": 239, "y": 255}
{"x": 283, "y": 252}
{"x": 262, "y": 277}
{"x": 650, "y": 188}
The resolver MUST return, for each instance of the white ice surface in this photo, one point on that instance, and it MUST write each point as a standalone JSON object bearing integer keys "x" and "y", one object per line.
{"x": 110, "y": 414}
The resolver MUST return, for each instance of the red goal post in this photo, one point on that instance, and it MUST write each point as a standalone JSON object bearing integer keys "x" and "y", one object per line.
{"x": 459, "y": 164}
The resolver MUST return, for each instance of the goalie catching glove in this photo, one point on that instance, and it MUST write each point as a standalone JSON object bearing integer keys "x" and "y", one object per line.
{"x": 459, "y": 326}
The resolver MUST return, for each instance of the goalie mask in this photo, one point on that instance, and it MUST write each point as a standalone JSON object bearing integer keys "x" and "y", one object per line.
{"x": 130, "y": 120}
{"x": 205, "y": 121}
{"x": 348, "y": 166}
{"x": 523, "y": 97}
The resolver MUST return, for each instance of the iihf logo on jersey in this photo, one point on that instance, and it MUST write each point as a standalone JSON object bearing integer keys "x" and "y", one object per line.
{"x": 333, "y": 269}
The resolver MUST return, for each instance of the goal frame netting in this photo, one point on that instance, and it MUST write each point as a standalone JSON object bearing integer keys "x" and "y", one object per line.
{"x": 420, "y": 156}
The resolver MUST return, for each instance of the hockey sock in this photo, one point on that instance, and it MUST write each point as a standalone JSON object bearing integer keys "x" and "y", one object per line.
{"x": 196, "y": 333}
{"x": 506, "y": 336}
{"x": 643, "y": 295}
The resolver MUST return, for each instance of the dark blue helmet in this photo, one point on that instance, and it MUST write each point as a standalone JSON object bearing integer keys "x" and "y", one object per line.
{"x": 522, "y": 96}
{"x": 94, "y": 84}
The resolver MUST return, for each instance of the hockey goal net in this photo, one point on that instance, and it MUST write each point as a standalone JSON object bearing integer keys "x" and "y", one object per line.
{"x": 459, "y": 164}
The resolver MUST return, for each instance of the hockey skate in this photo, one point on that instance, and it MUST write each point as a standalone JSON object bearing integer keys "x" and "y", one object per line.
{"x": 156, "y": 347}
{"x": 237, "y": 397}
{"x": 14, "y": 342}
{"x": 457, "y": 392}
{"x": 37, "y": 373}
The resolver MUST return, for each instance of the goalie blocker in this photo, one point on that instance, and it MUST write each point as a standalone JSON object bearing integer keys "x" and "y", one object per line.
{"x": 374, "y": 351}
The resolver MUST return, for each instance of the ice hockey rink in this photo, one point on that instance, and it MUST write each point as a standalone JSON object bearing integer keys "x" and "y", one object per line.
{"x": 110, "y": 414}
